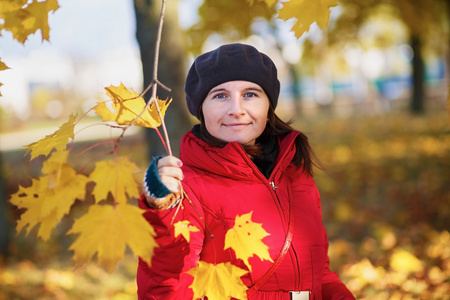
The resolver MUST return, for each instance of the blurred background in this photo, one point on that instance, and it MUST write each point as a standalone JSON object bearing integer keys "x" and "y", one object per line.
{"x": 371, "y": 92}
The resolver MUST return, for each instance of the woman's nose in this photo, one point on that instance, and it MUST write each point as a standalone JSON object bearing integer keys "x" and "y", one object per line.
{"x": 236, "y": 106}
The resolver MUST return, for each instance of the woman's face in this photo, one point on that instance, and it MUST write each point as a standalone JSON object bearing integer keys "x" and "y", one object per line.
{"x": 236, "y": 111}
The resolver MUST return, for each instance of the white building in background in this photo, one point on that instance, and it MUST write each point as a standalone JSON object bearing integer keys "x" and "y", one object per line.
{"x": 92, "y": 45}
{"x": 80, "y": 79}
{"x": 42, "y": 68}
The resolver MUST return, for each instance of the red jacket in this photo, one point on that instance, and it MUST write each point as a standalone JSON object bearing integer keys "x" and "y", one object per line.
{"x": 223, "y": 183}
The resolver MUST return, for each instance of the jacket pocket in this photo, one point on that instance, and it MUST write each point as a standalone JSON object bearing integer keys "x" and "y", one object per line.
{"x": 312, "y": 264}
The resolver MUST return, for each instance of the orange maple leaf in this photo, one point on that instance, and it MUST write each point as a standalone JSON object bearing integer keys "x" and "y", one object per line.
{"x": 218, "y": 281}
{"x": 184, "y": 228}
{"x": 57, "y": 140}
{"x": 128, "y": 105}
{"x": 115, "y": 176}
{"x": 51, "y": 196}
{"x": 107, "y": 230}
{"x": 22, "y": 17}
{"x": 306, "y": 13}
{"x": 245, "y": 238}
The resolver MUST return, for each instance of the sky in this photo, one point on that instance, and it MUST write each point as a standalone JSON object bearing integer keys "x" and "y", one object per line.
{"x": 84, "y": 28}
{"x": 92, "y": 45}
{"x": 91, "y": 42}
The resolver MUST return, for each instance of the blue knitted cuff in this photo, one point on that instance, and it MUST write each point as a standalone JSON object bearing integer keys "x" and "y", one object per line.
{"x": 152, "y": 183}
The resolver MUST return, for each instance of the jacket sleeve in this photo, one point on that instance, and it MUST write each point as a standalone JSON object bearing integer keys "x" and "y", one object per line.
{"x": 165, "y": 278}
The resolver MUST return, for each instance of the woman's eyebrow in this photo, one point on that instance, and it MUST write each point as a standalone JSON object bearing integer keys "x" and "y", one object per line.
{"x": 216, "y": 90}
{"x": 257, "y": 89}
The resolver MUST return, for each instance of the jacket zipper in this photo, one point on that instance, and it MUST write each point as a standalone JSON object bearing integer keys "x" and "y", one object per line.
{"x": 274, "y": 187}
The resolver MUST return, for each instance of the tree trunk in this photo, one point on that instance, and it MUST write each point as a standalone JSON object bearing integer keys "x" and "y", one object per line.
{"x": 171, "y": 68}
{"x": 4, "y": 224}
{"x": 417, "y": 99}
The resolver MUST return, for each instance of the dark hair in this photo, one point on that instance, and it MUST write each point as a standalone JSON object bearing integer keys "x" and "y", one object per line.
{"x": 275, "y": 128}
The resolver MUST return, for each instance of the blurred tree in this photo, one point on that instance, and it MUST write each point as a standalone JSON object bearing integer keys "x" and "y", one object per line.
{"x": 4, "y": 224}
{"x": 171, "y": 67}
{"x": 427, "y": 22}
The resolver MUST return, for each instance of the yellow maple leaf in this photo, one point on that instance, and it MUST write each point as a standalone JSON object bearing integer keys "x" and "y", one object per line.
{"x": 218, "y": 281}
{"x": 23, "y": 18}
{"x": 245, "y": 238}
{"x": 50, "y": 197}
{"x": 184, "y": 228}
{"x": 306, "y": 13}
{"x": 107, "y": 230}
{"x": 57, "y": 140}
{"x": 115, "y": 176}
{"x": 127, "y": 106}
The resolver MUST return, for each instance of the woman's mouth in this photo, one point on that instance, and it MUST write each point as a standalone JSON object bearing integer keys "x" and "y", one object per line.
{"x": 236, "y": 125}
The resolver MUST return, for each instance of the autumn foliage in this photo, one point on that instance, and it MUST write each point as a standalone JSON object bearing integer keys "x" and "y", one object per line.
{"x": 107, "y": 229}
{"x": 383, "y": 265}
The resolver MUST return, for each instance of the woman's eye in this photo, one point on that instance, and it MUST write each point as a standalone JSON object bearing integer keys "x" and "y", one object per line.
{"x": 219, "y": 96}
{"x": 249, "y": 95}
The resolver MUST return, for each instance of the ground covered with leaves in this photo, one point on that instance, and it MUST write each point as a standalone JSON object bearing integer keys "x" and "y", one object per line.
{"x": 385, "y": 198}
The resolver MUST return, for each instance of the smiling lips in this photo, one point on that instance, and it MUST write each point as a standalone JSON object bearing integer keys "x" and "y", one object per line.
{"x": 236, "y": 125}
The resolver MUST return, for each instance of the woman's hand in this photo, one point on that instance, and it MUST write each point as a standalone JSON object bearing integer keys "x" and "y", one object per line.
{"x": 170, "y": 173}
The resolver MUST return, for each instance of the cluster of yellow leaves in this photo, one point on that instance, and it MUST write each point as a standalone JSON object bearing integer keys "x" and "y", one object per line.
{"x": 304, "y": 12}
{"x": 223, "y": 280}
{"x": 23, "y": 18}
{"x": 51, "y": 196}
{"x": 105, "y": 229}
{"x": 128, "y": 106}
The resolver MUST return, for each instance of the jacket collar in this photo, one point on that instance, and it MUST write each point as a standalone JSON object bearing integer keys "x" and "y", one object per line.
{"x": 230, "y": 161}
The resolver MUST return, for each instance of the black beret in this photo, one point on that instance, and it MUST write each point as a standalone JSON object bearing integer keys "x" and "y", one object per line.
{"x": 228, "y": 63}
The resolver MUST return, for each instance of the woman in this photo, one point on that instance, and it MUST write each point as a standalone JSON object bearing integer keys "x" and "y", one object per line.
{"x": 241, "y": 158}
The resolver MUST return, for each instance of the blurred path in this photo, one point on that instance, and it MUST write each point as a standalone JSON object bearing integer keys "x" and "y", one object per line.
{"x": 84, "y": 132}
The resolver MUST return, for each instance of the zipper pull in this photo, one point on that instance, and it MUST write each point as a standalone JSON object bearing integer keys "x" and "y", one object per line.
{"x": 273, "y": 185}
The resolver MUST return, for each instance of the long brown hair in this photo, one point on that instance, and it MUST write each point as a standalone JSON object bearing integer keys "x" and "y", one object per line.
{"x": 275, "y": 128}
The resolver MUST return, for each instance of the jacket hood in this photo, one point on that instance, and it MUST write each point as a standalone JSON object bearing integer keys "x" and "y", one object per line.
{"x": 230, "y": 161}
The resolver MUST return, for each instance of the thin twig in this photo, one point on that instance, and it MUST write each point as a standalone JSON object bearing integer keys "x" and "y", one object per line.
{"x": 154, "y": 85}
{"x": 90, "y": 148}
{"x": 155, "y": 74}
